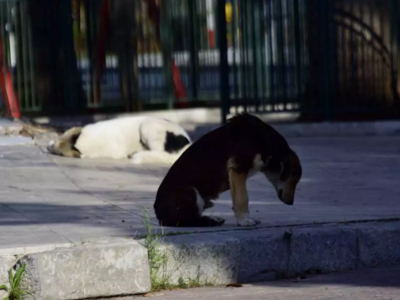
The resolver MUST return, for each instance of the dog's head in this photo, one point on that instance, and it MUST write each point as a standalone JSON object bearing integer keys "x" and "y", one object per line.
{"x": 284, "y": 174}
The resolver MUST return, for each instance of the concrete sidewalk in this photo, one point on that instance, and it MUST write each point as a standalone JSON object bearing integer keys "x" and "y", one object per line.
{"x": 48, "y": 202}
{"x": 70, "y": 200}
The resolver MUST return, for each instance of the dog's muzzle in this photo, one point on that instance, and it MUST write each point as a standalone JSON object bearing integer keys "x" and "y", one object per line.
{"x": 287, "y": 198}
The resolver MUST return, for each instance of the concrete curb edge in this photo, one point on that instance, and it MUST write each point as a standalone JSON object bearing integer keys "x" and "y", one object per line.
{"x": 218, "y": 258}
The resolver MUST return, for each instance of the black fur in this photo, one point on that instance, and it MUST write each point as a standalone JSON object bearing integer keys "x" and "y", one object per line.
{"x": 174, "y": 143}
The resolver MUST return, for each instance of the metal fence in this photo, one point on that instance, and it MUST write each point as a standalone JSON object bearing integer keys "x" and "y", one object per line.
{"x": 165, "y": 44}
{"x": 91, "y": 55}
{"x": 323, "y": 58}
{"x": 326, "y": 59}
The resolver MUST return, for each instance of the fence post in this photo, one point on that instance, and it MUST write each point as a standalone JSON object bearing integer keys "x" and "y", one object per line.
{"x": 223, "y": 59}
{"x": 297, "y": 46}
{"x": 167, "y": 50}
{"x": 326, "y": 52}
{"x": 394, "y": 35}
{"x": 70, "y": 72}
{"x": 193, "y": 49}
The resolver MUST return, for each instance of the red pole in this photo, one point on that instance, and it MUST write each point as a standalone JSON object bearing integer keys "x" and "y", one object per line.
{"x": 154, "y": 16}
{"x": 7, "y": 89}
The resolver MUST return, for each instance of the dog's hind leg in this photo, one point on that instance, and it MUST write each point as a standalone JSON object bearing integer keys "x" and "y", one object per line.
{"x": 183, "y": 208}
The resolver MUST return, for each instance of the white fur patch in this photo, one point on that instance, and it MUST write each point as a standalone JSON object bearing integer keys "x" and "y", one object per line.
{"x": 257, "y": 165}
{"x": 50, "y": 147}
{"x": 156, "y": 157}
{"x": 248, "y": 222}
{"x": 153, "y": 157}
{"x": 199, "y": 202}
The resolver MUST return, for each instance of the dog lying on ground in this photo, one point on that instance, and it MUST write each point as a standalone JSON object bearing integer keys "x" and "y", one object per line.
{"x": 144, "y": 139}
{"x": 221, "y": 160}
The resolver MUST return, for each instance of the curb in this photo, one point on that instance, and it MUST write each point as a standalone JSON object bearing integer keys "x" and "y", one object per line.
{"x": 116, "y": 267}
{"x": 270, "y": 254}
{"x": 103, "y": 268}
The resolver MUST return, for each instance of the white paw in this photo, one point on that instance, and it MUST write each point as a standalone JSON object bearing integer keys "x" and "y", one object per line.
{"x": 141, "y": 158}
{"x": 248, "y": 222}
{"x": 137, "y": 159}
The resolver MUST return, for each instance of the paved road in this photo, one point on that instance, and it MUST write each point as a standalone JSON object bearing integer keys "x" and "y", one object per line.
{"x": 46, "y": 199}
{"x": 358, "y": 285}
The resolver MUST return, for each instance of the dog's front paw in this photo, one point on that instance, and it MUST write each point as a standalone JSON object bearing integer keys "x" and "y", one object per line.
{"x": 248, "y": 222}
{"x": 137, "y": 158}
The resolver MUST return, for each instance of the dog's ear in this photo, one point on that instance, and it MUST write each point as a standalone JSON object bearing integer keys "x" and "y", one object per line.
{"x": 286, "y": 170}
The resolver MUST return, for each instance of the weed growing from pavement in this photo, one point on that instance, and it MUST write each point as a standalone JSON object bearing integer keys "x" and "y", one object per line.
{"x": 160, "y": 279}
{"x": 14, "y": 291}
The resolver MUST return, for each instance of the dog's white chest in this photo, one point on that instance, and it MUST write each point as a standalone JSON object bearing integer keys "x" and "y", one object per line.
{"x": 257, "y": 165}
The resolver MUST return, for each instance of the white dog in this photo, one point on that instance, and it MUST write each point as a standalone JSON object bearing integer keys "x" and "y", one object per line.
{"x": 144, "y": 139}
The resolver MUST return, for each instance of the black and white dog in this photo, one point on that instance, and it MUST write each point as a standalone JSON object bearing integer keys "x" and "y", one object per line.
{"x": 142, "y": 139}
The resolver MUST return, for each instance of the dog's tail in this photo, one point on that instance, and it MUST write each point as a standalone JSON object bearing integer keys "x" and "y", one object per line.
{"x": 65, "y": 144}
{"x": 157, "y": 157}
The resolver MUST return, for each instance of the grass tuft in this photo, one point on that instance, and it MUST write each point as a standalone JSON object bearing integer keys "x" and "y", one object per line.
{"x": 14, "y": 291}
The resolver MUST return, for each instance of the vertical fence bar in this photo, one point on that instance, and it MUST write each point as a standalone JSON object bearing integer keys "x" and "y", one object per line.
{"x": 194, "y": 71}
{"x": 223, "y": 59}
{"x": 394, "y": 34}
{"x": 344, "y": 75}
{"x": 243, "y": 52}
{"x": 35, "y": 105}
{"x": 69, "y": 63}
{"x": 3, "y": 6}
{"x": 298, "y": 61}
{"x": 248, "y": 51}
{"x": 89, "y": 53}
{"x": 263, "y": 64}
{"x": 235, "y": 47}
{"x": 3, "y": 100}
{"x": 256, "y": 46}
{"x": 166, "y": 45}
{"x": 271, "y": 72}
{"x": 281, "y": 54}
{"x": 382, "y": 64}
{"x": 373, "y": 57}
{"x": 24, "y": 56}
{"x": 363, "y": 61}
{"x": 326, "y": 53}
